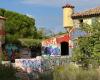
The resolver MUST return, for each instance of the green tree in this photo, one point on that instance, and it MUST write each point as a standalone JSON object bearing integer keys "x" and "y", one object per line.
{"x": 87, "y": 50}
{"x": 18, "y": 26}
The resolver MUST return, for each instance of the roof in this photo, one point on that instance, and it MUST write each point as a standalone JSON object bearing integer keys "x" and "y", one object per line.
{"x": 88, "y": 13}
{"x": 2, "y": 17}
{"x": 68, "y": 6}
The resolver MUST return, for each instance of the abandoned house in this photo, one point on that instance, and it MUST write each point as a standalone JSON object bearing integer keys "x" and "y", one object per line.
{"x": 71, "y": 22}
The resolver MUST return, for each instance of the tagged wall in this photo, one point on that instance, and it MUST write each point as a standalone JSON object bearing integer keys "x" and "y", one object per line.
{"x": 40, "y": 64}
{"x": 29, "y": 65}
{"x": 52, "y": 46}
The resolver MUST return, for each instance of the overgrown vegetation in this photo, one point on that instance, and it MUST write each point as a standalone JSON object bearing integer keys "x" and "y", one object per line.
{"x": 87, "y": 56}
{"x": 47, "y": 75}
{"x": 7, "y": 72}
{"x": 70, "y": 72}
{"x": 87, "y": 51}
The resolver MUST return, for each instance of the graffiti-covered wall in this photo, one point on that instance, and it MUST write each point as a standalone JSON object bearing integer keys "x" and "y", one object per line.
{"x": 40, "y": 64}
{"x": 29, "y": 65}
{"x": 52, "y": 46}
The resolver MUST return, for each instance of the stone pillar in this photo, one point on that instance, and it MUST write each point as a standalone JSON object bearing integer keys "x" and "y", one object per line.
{"x": 2, "y": 34}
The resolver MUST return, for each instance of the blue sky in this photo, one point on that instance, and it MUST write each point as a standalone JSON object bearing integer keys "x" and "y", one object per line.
{"x": 47, "y": 13}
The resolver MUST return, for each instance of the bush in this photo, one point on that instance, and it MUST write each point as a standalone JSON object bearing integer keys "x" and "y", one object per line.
{"x": 7, "y": 73}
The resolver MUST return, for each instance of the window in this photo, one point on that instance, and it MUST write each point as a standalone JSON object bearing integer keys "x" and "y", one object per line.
{"x": 81, "y": 20}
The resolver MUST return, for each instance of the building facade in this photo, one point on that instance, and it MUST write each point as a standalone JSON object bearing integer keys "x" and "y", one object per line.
{"x": 74, "y": 19}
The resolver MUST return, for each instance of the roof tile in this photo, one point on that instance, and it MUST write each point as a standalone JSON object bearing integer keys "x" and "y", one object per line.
{"x": 93, "y": 11}
{"x": 68, "y": 6}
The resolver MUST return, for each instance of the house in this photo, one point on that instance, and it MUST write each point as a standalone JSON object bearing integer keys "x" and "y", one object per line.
{"x": 73, "y": 19}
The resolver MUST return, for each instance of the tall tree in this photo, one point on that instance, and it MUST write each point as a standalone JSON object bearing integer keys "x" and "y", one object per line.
{"x": 18, "y": 26}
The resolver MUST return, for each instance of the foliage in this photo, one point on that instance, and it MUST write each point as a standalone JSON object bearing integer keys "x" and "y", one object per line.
{"x": 30, "y": 42}
{"x": 87, "y": 50}
{"x": 7, "y": 73}
{"x": 18, "y": 25}
{"x": 43, "y": 33}
{"x": 47, "y": 75}
{"x": 71, "y": 72}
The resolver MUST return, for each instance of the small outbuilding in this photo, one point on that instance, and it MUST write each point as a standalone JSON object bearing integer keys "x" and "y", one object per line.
{"x": 58, "y": 45}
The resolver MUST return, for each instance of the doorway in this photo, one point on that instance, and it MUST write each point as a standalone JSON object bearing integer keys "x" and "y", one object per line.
{"x": 64, "y": 48}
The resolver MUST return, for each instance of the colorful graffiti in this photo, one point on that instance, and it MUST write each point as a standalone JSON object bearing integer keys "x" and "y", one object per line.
{"x": 52, "y": 46}
{"x": 10, "y": 50}
{"x": 40, "y": 64}
{"x": 29, "y": 65}
{"x": 52, "y": 61}
{"x": 51, "y": 50}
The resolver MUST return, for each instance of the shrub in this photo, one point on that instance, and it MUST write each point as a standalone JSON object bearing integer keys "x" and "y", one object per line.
{"x": 7, "y": 72}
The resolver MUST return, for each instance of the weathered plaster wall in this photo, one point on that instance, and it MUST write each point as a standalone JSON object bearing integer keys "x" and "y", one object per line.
{"x": 88, "y": 21}
{"x": 67, "y": 20}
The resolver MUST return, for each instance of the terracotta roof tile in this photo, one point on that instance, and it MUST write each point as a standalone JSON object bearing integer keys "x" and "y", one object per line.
{"x": 91, "y": 12}
{"x": 68, "y": 5}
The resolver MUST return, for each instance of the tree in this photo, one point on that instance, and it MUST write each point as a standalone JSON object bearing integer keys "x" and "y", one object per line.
{"x": 18, "y": 26}
{"x": 43, "y": 33}
{"x": 88, "y": 49}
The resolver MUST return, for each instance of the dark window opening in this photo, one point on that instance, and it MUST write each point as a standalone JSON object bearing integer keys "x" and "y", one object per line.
{"x": 81, "y": 20}
{"x": 64, "y": 48}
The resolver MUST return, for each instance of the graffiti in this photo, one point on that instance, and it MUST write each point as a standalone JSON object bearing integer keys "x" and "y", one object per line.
{"x": 40, "y": 64}
{"x": 29, "y": 65}
{"x": 49, "y": 42}
{"x": 52, "y": 61}
{"x": 51, "y": 50}
{"x": 52, "y": 46}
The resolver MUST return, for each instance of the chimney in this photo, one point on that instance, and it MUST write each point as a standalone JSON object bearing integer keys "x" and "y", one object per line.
{"x": 68, "y": 11}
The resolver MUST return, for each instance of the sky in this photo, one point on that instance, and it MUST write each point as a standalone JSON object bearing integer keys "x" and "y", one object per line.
{"x": 47, "y": 13}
